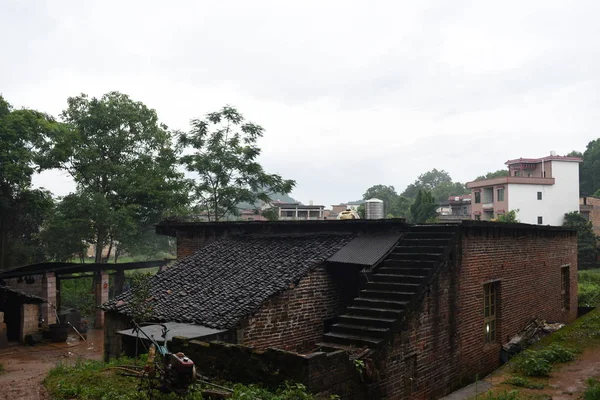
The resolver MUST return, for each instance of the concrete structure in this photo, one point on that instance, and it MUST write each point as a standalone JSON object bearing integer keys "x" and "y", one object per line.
{"x": 542, "y": 189}
{"x": 456, "y": 208}
{"x": 297, "y": 211}
{"x": 426, "y": 307}
{"x": 20, "y": 315}
{"x": 589, "y": 207}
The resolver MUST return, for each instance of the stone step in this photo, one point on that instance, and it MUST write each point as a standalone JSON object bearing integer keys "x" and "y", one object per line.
{"x": 379, "y": 322}
{"x": 418, "y": 249}
{"x": 423, "y": 242}
{"x": 375, "y": 312}
{"x": 352, "y": 340}
{"x": 414, "y": 256}
{"x": 408, "y": 270}
{"x": 451, "y": 228}
{"x": 392, "y": 262}
{"x": 360, "y": 330}
{"x": 328, "y": 347}
{"x": 394, "y": 286}
{"x": 382, "y": 277}
{"x": 380, "y": 303}
{"x": 386, "y": 295}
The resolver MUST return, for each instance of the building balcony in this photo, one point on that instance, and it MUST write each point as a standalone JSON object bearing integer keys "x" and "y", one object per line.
{"x": 504, "y": 180}
{"x": 487, "y": 206}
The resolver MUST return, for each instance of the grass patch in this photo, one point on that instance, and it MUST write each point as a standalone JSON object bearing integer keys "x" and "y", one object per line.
{"x": 539, "y": 362}
{"x": 592, "y": 392}
{"x": 589, "y": 288}
{"x": 520, "y": 381}
{"x": 95, "y": 380}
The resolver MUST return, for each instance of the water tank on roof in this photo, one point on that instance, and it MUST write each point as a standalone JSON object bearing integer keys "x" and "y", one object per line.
{"x": 374, "y": 209}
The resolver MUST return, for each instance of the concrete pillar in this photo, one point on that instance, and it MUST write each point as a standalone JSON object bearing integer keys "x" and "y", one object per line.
{"x": 29, "y": 320}
{"x": 58, "y": 294}
{"x": 101, "y": 296}
{"x": 49, "y": 293}
{"x": 119, "y": 282}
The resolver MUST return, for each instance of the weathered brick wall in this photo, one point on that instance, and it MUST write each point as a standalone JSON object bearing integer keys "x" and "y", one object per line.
{"x": 113, "y": 342}
{"x": 420, "y": 361}
{"x": 322, "y": 373}
{"x": 528, "y": 269}
{"x": 294, "y": 319}
{"x": 443, "y": 345}
{"x": 29, "y": 320}
{"x": 34, "y": 289}
{"x": 594, "y": 213}
{"x": 186, "y": 246}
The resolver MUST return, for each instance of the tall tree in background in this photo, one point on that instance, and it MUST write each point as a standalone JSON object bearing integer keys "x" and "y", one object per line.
{"x": 225, "y": 159}
{"x": 423, "y": 209}
{"x": 586, "y": 239}
{"x": 439, "y": 183}
{"x": 123, "y": 162}
{"x": 23, "y": 138}
{"x": 589, "y": 171}
{"x": 491, "y": 175}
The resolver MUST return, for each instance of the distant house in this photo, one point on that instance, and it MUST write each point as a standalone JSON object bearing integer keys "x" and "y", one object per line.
{"x": 298, "y": 211}
{"x": 589, "y": 207}
{"x": 426, "y": 308}
{"x": 542, "y": 189}
{"x": 456, "y": 208}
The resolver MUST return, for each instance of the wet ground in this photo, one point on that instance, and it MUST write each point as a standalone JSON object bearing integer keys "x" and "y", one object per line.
{"x": 25, "y": 367}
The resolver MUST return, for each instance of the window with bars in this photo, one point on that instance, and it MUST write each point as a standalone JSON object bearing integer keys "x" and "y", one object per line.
{"x": 565, "y": 287}
{"x": 489, "y": 311}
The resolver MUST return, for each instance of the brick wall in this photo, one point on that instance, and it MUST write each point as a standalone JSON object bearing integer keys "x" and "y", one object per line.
{"x": 527, "y": 268}
{"x": 29, "y": 320}
{"x": 186, "y": 246}
{"x": 113, "y": 342}
{"x": 322, "y": 373}
{"x": 594, "y": 215}
{"x": 420, "y": 361}
{"x": 294, "y": 319}
{"x": 442, "y": 346}
{"x": 34, "y": 289}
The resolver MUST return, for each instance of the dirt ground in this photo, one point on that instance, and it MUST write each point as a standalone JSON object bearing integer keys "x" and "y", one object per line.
{"x": 567, "y": 382}
{"x": 25, "y": 367}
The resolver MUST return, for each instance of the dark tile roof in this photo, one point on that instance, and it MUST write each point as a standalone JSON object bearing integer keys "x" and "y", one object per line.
{"x": 366, "y": 249}
{"x": 228, "y": 280}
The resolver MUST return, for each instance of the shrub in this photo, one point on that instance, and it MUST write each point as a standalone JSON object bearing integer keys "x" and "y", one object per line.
{"x": 531, "y": 364}
{"x": 555, "y": 353}
{"x": 592, "y": 392}
{"x": 512, "y": 395}
{"x": 519, "y": 381}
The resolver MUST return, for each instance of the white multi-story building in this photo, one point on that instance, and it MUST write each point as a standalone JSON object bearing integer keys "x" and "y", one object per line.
{"x": 542, "y": 189}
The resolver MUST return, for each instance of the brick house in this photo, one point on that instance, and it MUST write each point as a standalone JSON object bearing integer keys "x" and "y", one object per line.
{"x": 426, "y": 308}
{"x": 20, "y": 315}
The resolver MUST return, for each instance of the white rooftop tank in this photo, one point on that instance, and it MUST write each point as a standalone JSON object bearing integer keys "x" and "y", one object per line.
{"x": 374, "y": 209}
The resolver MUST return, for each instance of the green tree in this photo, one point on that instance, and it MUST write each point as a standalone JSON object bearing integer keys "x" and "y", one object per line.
{"x": 225, "y": 159}
{"x": 510, "y": 216}
{"x": 444, "y": 190}
{"x": 382, "y": 192}
{"x": 491, "y": 175}
{"x": 69, "y": 228}
{"x": 123, "y": 162}
{"x": 429, "y": 180}
{"x": 589, "y": 171}
{"x": 424, "y": 207}
{"x": 23, "y": 137}
{"x": 586, "y": 239}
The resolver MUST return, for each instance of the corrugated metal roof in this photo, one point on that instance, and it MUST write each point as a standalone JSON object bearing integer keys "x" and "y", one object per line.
{"x": 366, "y": 249}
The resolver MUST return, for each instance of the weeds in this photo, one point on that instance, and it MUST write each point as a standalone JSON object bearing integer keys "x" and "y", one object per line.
{"x": 519, "y": 381}
{"x": 512, "y": 395}
{"x": 94, "y": 380}
{"x": 592, "y": 391}
{"x": 539, "y": 363}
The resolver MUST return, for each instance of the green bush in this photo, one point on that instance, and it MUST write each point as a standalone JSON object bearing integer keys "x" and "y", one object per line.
{"x": 589, "y": 289}
{"x": 555, "y": 353}
{"x": 539, "y": 363}
{"x": 519, "y": 381}
{"x": 592, "y": 392}
{"x": 512, "y": 395}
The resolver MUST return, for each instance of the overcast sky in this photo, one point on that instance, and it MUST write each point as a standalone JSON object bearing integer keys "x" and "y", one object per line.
{"x": 350, "y": 94}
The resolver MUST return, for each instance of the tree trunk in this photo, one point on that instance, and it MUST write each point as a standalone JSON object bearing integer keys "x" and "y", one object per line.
{"x": 117, "y": 248}
{"x": 110, "y": 246}
{"x": 99, "y": 246}
{"x": 3, "y": 241}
